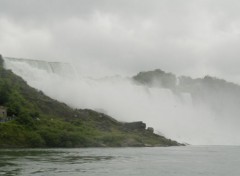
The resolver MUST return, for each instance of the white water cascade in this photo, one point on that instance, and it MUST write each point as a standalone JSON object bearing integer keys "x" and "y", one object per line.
{"x": 174, "y": 116}
{"x": 58, "y": 68}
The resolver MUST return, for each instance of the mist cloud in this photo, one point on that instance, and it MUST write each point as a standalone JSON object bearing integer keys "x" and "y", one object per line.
{"x": 186, "y": 37}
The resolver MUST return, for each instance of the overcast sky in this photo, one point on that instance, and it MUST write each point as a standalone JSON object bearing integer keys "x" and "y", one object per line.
{"x": 191, "y": 37}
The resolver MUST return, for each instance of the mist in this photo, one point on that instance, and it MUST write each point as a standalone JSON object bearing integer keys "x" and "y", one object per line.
{"x": 174, "y": 116}
{"x": 187, "y": 38}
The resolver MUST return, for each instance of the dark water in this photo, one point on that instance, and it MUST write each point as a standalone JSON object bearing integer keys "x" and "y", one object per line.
{"x": 172, "y": 161}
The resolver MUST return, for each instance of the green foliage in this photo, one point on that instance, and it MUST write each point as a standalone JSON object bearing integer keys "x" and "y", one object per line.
{"x": 35, "y": 140}
{"x": 5, "y": 91}
{"x": 25, "y": 119}
{"x": 12, "y": 134}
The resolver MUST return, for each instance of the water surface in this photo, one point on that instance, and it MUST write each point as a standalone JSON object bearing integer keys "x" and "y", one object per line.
{"x": 170, "y": 161}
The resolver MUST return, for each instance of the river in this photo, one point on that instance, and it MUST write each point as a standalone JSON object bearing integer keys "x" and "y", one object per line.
{"x": 159, "y": 161}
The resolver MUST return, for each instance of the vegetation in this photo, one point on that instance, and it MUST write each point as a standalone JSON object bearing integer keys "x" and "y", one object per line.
{"x": 40, "y": 121}
{"x": 156, "y": 78}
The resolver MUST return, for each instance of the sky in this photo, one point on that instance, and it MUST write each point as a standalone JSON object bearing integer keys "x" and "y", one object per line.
{"x": 187, "y": 37}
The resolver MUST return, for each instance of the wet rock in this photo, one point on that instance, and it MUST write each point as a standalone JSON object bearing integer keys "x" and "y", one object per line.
{"x": 139, "y": 126}
{"x": 150, "y": 129}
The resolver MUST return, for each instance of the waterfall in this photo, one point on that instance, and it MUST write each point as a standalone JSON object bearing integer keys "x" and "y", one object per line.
{"x": 175, "y": 116}
{"x": 58, "y": 68}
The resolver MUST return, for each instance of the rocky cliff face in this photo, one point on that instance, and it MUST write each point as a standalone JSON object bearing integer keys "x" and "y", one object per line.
{"x": 134, "y": 126}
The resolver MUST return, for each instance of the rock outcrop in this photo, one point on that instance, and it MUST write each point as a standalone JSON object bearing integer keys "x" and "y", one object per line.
{"x": 134, "y": 126}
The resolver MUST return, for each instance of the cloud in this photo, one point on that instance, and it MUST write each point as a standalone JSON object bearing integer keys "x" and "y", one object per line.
{"x": 19, "y": 40}
{"x": 188, "y": 37}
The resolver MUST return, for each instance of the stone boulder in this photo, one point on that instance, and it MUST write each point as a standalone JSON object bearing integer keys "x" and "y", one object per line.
{"x": 139, "y": 126}
{"x": 150, "y": 129}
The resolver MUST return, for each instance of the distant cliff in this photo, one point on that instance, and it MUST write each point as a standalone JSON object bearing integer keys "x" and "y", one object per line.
{"x": 156, "y": 78}
{"x": 221, "y": 96}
